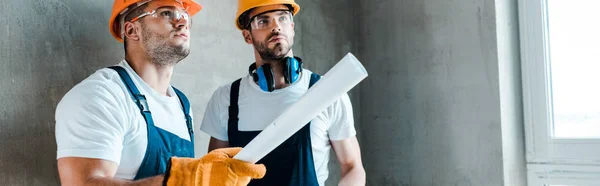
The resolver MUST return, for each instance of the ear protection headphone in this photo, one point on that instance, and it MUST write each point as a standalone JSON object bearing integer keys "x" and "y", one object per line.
{"x": 265, "y": 78}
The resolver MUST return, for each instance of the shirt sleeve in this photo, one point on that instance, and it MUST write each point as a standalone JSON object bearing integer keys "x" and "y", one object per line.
{"x": 215, "y": 119}
{"x": 342, "y": 119}
{"x": 91, "y": 122}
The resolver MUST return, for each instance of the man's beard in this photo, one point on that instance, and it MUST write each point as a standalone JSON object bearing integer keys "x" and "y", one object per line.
{"x": 277, "y": 53}
{"x": 160, "y": 51}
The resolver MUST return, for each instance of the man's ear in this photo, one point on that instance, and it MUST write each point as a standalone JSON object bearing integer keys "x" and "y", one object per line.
{"x": 293, "y": 30}
{"x": 247, "y": 36}
{"x": 131, "y": 31}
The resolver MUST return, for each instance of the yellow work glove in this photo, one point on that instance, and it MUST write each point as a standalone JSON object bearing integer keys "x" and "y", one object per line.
{"x": 217, "y": 168}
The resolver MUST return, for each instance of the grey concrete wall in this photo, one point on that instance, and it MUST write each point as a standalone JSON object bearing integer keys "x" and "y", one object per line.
{"x": 48, "y": 46}
{"x": 431, "y": 108}
{"x": 325, "y": 32}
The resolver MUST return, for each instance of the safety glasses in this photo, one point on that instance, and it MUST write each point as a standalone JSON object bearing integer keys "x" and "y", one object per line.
{"x": 168, "y": 13}
{"x": 264, "y": 21}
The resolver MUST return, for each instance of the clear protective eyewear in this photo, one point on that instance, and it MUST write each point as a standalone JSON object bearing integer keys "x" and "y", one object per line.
{"x": 168, "y": 13}
{"x": 262, "y": 21}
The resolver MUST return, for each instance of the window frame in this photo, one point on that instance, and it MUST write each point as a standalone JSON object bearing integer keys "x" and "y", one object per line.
{"x": 549, "y": 160}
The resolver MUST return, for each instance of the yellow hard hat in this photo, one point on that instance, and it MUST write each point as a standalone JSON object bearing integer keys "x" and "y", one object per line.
{"x": 121, "y": 7}
{"x": 245, "y": 5}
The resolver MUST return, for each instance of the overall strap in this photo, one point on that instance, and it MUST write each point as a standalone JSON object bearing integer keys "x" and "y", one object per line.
{"x": 313, "y": 79}
{"x": 139, "y": 99}
{"x": 232, "y": 124}
{"x": 185, "y": 103}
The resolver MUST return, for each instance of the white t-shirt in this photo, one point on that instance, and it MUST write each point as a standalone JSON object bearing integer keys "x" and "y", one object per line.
{"x": 99, "y": 119}
{"x": 258, "y": 108}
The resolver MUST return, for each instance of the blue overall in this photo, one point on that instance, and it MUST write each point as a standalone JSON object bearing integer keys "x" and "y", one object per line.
{"x": 162, "y": 145}
{"x": 291, "y": 163}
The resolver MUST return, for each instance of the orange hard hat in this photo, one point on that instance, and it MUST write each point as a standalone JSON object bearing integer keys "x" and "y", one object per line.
{"x": 245, "y": 5}
{"x": 122, "y": 7}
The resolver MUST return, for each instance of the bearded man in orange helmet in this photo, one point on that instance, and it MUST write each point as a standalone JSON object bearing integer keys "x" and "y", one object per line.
{"x": 239, "y": 111}
{"x": 126, "y": 125}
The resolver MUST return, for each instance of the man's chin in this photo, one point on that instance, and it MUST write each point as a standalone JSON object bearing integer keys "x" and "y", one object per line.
{"x": 278, "y": 51}
{"x": 182, "y": 51}
{"x": 181, "y": 46}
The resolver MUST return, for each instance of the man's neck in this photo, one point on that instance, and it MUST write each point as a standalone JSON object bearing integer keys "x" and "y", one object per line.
{"x": 277, "y": 68}
{"x": 156, "y": 76}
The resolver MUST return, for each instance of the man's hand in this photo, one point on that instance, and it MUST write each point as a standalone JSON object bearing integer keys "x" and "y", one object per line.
{"x": 217, "y": 168}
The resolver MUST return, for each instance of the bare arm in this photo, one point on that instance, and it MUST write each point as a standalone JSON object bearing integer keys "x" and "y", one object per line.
{"x": 347, "y": 152}
{"x": 217, "y": 144}
{"x": 75, "y": 171}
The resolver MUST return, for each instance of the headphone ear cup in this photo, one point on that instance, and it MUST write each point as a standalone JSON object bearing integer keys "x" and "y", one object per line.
{"x": 260, "y": 78}
{"x": 295, "y": 67}
{"x": 270, "y": 77}
{"x": 287, "y": 71}
{"x": 265, "y": 81}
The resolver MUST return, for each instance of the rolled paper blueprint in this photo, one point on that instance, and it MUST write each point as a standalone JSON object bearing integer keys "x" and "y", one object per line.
{"x": 346, "y": 74}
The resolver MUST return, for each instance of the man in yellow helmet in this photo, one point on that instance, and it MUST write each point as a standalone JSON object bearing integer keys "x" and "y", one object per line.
{"x": 126, "y": 125}
{"x": 238, "y": 112}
